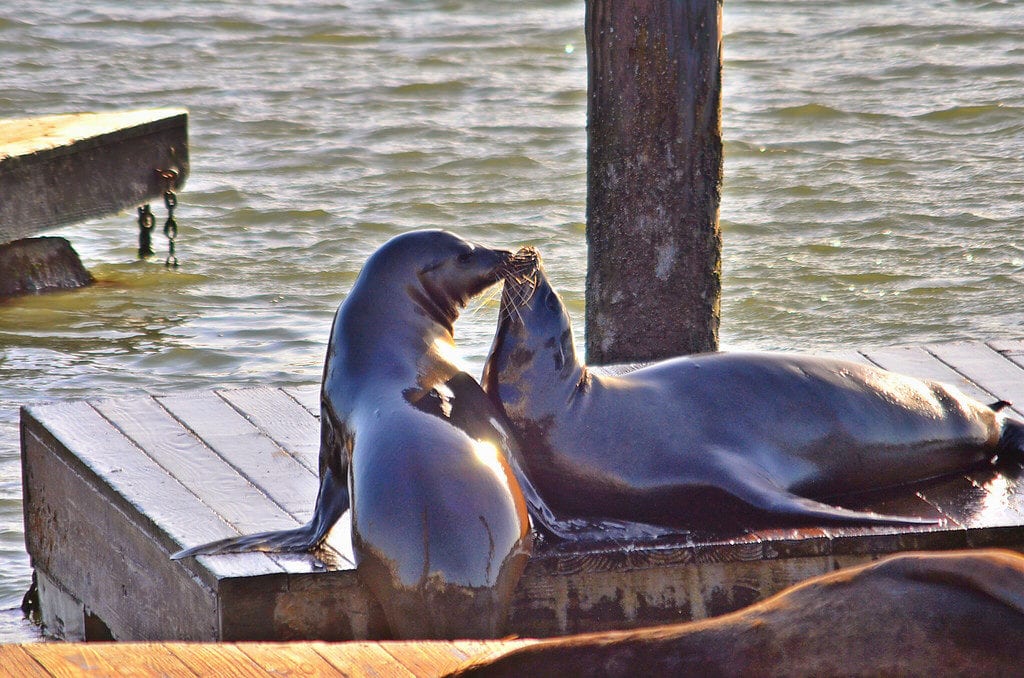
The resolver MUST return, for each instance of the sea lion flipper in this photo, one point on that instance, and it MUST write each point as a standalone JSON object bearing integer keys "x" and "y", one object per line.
{"x": 331, "y": 502}
{"x": 751, "y": 485}
{"x": 1011, "y": 439}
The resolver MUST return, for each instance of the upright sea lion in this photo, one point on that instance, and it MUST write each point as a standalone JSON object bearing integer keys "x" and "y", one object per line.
{"x": 440, "y": 527}
{"x": 721, "y": 441}
{"x": 956, "y": 613}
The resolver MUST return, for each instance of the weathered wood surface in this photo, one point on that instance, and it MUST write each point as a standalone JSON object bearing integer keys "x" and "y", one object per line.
{"x": 114, "y": 486}
{"x": 654, "y": 178}
{"x": 62, "y": 169}
{"x": 395, "y": 659}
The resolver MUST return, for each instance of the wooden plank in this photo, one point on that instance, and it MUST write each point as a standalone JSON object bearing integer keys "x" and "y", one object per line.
{"x": 307, "y": 395}
{"x": 998, "y": 375}
{"x": 223, "y": 660}
{"x": 16, "y": 661}
{"x": 274, "y": 471}
{"x": 783, "y": 543}
{"x": 479, "y": 649}
{"x": 142, "y": 489}
{"x": 330, "y": 605}
{"x": 426, "y": 657}
{"x": 194, "y": 465}
{"x": 292, "y": 659}
{"x": 874, "y": 542}
{"x": 266, "y": 465}
{"x": 989, "y": 522}
{"x": 366, "y": 659}
{"x": 107, "y": 659}
{"x": 916, "y": 361}
{"x": 393, "y": 659}
{"x": 1011, "y": 348}
{"x": 617, "y": 369}
{"x": 206, "y": 475}
{"x": 63, "y": 169}
{"x": 849, "y": 354}
{"x": 97, "y": 553}
{"x": 282, "y": 418}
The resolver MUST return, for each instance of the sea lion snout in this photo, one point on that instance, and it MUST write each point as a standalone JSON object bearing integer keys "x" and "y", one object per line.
{"x": 520, "y": 275}
{"x": 521, "y": 266}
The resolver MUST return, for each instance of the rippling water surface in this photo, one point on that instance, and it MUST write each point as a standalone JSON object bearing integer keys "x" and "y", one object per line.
{"x": 874, "y": 187}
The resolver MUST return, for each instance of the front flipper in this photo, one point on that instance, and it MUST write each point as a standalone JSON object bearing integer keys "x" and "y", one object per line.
{"x": 331, "y": 502}
{"x": 751, "y": 484}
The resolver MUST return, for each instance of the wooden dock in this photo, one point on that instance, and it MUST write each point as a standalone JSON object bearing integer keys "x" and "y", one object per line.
{"x": 255, "y": 660}
{"x": 112, "y": 487}
{"x": 62, "y": 169}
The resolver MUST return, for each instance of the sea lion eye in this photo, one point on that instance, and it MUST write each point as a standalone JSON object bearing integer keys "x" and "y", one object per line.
{"x": 551, "y": 301}
{"x": 464, "y": 257}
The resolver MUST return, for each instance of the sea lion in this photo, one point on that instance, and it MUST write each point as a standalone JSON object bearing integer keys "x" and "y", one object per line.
{"x": 721, "y": 441}
{"x": 440, "y": 528}
{"x": 921, "y": 614}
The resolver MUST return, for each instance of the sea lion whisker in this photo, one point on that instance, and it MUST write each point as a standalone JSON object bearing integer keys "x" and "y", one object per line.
{"x": 514, "y": 310}
{"x": 516, "y": 297}
{"x": 484, "y": 301}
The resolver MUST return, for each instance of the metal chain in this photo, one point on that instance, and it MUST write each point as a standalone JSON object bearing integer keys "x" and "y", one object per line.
{"x": 146, "y": 223}
{"x": 170, "y": 226}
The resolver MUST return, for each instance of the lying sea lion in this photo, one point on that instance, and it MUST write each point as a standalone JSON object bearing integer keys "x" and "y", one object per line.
{"x": 724, "y": 440}
{"x": 440, "y": 527}
{"x": 921, "y": 614}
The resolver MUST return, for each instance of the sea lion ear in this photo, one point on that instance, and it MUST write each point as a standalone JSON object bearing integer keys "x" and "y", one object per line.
{"x": 551, "y": 301}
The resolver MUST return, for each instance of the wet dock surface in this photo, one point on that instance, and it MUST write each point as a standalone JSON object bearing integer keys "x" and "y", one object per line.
{"x": 112, "y": 487}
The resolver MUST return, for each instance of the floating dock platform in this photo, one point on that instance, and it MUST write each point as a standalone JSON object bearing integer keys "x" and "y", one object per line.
{"x": 113, "y": 487}
{"x": 62, "y": 169}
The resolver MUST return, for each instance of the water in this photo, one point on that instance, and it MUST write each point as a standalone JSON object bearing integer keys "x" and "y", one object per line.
{"x": 874, "y": 189}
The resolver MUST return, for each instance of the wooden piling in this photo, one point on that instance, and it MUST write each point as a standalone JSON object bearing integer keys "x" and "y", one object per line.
{"x": 653, "y": 179}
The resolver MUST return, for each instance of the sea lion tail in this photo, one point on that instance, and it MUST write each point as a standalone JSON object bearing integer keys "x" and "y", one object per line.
{"x": 331, "y": 502}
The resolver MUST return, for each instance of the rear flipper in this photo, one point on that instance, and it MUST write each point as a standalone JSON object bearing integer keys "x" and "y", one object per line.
{"x": 1011, "y": 440}
{"x": 800, "y": 509}
{"x": 750, "y": 485}
{"x": 331, "y": 502}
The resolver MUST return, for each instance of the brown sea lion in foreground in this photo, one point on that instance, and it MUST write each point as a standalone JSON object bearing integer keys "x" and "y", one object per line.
{"x": 922, "y": 614}
{"x": 440, "y": 527}
{"x": 724, "y": 440}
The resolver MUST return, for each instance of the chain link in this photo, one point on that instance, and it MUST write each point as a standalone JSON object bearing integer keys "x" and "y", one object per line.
{"x": 146, "y": 223}
{"x": 170, "y": 226}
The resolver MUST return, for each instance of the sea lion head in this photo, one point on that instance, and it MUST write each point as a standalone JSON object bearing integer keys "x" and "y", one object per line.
{"x": 534, "y": 343}
{"x": 439, "y": 270}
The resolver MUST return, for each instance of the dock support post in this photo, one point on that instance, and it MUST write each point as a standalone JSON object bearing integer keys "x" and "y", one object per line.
{"x": 654, "y": 178}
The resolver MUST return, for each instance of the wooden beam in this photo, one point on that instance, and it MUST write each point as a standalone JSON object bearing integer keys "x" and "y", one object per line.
{"x": 63, "y": 169}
